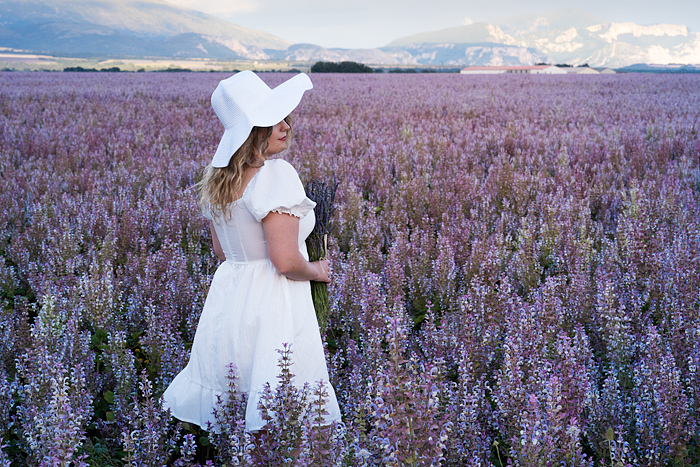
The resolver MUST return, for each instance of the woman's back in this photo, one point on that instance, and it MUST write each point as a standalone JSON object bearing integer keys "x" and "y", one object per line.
{"x": 275, "y": 187}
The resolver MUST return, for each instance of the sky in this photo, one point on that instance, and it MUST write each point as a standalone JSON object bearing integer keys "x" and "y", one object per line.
{"x": 375, "y": 23}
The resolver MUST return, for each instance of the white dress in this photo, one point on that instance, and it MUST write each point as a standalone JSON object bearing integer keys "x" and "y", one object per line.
{"x": 252, "y": 310}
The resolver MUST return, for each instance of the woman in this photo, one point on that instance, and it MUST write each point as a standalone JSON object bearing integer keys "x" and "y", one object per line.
{"x": 259, "y": 298}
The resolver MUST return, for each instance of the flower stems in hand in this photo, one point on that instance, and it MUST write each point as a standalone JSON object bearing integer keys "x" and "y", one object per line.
{"x": 317, "y": 241}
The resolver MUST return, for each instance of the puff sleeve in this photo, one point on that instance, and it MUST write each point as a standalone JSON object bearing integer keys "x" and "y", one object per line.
{"x": 277, "y": 188}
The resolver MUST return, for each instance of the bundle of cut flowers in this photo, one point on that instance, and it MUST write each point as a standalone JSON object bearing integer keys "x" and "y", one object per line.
{"x": 323, "y": 194}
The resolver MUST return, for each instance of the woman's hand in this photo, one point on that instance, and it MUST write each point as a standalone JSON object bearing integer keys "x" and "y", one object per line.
{"x": 324, "y": 266}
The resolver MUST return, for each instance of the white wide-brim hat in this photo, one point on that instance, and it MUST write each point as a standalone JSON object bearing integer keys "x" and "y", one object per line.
{"x": 244, "y": 101}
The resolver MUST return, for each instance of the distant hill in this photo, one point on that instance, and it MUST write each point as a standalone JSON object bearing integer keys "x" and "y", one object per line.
{"x": 503, "y": 30}
{"x": 476, "y": 53}
{"x": 574, "y": 37}
{"x": 668, "y": 68}
{"x": 126, "y": 28}
{"x": 443, "y": 54}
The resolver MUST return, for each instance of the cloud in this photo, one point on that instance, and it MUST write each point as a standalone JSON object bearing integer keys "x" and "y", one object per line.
{"x": 467, "y": 21}
{"x": 218, "y": 7}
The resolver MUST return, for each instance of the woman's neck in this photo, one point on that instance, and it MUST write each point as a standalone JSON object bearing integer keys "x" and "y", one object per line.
{"x": 259, "y": 161}
{"x": 256, "y": 164}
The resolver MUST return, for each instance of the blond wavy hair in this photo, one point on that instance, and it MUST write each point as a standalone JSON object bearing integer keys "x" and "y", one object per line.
{"x": 221, "y": 186}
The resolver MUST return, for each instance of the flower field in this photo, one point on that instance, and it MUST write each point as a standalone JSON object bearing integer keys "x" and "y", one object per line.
{"x": 516, "y": 270}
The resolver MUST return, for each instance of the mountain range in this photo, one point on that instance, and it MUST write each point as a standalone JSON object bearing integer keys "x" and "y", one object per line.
{"x": 126, "y": 28}
{"x": 574, "y": 37}
{"x": 155, "y": 28}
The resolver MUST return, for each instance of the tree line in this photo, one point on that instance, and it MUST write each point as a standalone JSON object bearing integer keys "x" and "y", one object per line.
{"x": 342, "y": 67}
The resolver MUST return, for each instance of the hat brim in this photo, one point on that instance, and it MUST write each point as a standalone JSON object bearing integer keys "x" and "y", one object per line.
{"x": 279, "y": 103}
{"x": 232, "y": 139}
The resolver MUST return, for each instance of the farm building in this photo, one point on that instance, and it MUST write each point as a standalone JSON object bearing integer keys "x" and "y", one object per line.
{"x": 582, "y": 70}
{"x": 528, "y": 69}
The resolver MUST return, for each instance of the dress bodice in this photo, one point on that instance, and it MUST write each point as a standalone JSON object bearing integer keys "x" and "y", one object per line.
{"x": 275, "y": 187}
{"x": 243, "y": 240}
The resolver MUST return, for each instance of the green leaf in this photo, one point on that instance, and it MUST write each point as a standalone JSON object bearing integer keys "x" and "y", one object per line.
{"x": 109, "y": 397}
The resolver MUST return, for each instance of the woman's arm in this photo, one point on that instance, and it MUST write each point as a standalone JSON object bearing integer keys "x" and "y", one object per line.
{"x": 218, "y": 251}
{"x": 282, "y": 234}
